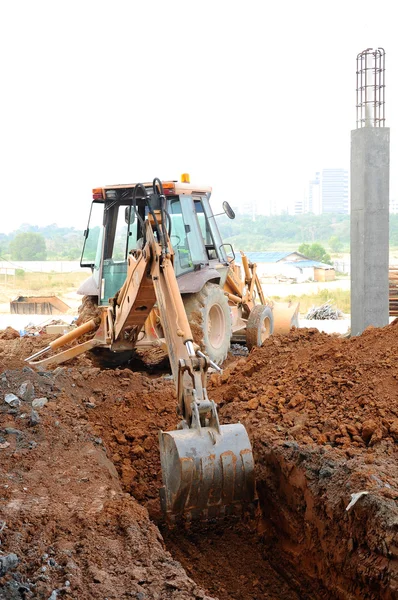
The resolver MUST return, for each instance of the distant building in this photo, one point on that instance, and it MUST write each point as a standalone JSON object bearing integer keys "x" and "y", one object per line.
{"x": 335, "y": 191}
{"x": 299, "y": 207}
{"x": 314, "y": 195}
{"x": 327, "y": 192}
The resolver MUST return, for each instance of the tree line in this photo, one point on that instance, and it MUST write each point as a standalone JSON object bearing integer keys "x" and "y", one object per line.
{"x": 31, "y": 242}
{"x": 263, "y": 233}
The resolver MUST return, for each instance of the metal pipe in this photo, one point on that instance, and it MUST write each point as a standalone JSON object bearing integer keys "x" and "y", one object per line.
{"x": 189, "y": 347}
{"x": 211, "y": 363}
{"x": 39, "y": 353}
{"x": 66, "y": 338}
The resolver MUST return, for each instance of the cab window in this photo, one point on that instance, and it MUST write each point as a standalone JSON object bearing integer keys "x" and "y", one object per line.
{"x": 205, "y": 230}
{"x": 179, "y": 239}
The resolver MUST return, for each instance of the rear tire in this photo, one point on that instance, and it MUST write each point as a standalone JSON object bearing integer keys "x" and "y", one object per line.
{"x": 209, "y": 316}
{"x": 260, "y": 325}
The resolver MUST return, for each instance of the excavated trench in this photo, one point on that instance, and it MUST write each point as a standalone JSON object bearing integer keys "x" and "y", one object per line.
{"x": 302, "y": 545}
{"x": 295, "y": 549}
{"x": 228, "y": 559}
{"x": 335, "y": 553}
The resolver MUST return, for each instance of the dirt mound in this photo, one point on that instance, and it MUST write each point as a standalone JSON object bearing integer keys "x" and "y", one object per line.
{"x": 321, "y": 412}
{"x": 88, "y": 310}
{"x": 9, "y": 334}
{"x": 15, "y": 349}
{"x": 129, "y": 412}
{"x": 315, "y": 388}
{"x": 67, "y": 528}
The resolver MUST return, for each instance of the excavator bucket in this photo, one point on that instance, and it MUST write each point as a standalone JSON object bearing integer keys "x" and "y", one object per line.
{"x": 207, "y": 472}
{"x": 285, "y": 316}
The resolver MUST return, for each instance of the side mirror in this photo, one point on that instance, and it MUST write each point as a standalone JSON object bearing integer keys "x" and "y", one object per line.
{"x": 128, "y": 214}
{"x": 228, "y": 210}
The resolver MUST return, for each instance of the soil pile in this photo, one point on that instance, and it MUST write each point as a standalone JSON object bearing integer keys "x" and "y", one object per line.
{"x": 67, "y": 528}
{"x": 9, "y": 334}
{"x": 321, "y": 412}
{"x": 14, "y": 349}
{"x": 88, "y": 310}
{"x": 315, "y": 388}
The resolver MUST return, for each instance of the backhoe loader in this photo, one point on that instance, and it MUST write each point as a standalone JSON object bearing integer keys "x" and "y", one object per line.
{"x": 221, "y": 305}
{"x": 207, "y": 468}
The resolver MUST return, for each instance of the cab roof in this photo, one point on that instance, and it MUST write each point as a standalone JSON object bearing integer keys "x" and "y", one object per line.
{"x": 178, "y": 187}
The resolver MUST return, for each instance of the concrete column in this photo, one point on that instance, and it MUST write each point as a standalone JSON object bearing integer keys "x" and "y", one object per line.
{"x": 370, "y": 177}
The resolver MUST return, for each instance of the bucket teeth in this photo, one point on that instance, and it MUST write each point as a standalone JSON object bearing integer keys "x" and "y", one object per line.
{"x": 213, "y": 514}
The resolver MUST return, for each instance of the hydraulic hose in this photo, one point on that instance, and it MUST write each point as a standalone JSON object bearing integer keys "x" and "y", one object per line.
{"x": 158, "y": 189}
{"x": 133, "y": 204}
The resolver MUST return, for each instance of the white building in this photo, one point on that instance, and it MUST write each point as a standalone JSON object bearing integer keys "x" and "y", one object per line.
{"x": 314, "y": 204}
{"x": 299, "y": 207}
{"x": 327, "y": 192}
{"x": 335, "y": 191}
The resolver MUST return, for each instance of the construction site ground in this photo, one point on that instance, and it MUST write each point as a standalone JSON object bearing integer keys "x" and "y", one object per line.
{"x": 80, "y": 476}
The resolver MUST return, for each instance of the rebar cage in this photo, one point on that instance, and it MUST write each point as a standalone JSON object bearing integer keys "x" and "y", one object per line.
{"x": 371, "y": 88}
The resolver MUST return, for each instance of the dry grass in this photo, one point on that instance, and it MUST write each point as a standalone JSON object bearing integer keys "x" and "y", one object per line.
{"x": 338, "y": 298}
{"x": 60, "y": 284}
{"x": 40, "y": 284}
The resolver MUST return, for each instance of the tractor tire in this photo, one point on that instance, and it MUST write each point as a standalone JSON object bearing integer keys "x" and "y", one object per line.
{"x": 260, "y": 325}
{"x": 210, "y": 319}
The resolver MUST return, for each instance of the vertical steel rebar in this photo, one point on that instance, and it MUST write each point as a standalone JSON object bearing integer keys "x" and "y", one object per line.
{"x": 370, "y": 91}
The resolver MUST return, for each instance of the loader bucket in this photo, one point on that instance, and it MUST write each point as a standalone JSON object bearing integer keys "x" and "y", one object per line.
{"x": 285, "y": 316}
{"x": 206, "y": 474}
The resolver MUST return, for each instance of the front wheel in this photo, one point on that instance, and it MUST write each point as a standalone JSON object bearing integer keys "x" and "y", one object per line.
{"x": 209, "y": 316}
{"x": 260, "y": 325}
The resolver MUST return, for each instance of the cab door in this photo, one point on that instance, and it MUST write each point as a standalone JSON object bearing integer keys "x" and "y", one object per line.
{"x": 186, "y": 238}
{"x": 93, "y": 244}
{"x": 209, "y": 230}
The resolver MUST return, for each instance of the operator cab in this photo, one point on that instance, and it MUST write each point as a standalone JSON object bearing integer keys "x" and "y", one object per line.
{"x": 115, "y": 229}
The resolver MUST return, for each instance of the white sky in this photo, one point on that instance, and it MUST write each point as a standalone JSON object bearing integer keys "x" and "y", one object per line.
{"x": 250, "y": 97}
